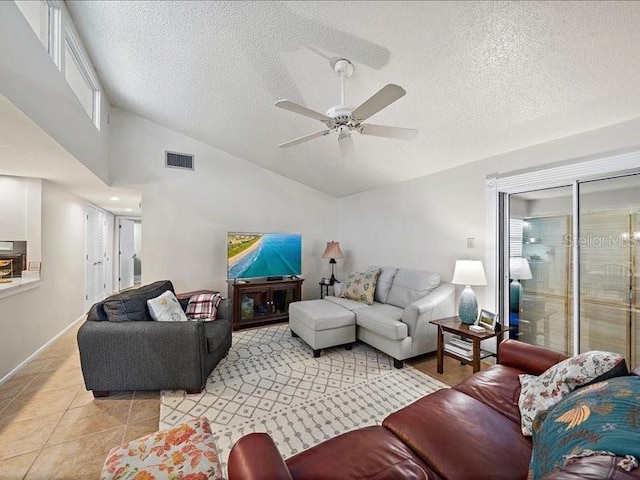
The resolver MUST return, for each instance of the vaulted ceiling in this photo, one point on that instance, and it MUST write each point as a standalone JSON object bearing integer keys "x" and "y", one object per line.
{"x": 482, "y": 78}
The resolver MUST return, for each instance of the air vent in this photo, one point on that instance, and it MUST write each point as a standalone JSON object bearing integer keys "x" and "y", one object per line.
{"x": 178, "y": 160}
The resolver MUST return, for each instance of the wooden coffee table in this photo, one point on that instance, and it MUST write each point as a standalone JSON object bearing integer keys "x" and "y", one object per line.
{"x": 455, "y": 326}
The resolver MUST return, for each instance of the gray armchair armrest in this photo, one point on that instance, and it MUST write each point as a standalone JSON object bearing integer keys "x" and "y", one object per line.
{"x": 142, "y": 355}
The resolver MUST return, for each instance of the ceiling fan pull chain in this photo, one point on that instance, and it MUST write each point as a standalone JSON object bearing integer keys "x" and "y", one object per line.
{"x": 342, "y": 83}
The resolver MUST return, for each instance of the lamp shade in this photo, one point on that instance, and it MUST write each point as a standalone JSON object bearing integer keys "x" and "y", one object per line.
{"x": 333, "y": 250}
{"x": 519, "y": 269}
{"x": 469, "y": 272}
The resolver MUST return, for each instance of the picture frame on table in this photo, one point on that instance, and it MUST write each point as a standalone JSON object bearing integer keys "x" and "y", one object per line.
{"x": 487, "y": 320}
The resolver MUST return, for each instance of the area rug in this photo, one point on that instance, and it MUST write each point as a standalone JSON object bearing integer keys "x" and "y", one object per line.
{"x": 270, "y": 382}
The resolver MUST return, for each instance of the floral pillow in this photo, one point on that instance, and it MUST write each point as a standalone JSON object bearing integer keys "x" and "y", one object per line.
{"x": 539, "y": 393}
{"x": 360, "y": 286}
{"x": 166, "y": 308}
{"x": 203, "y": 306}
{"x": 183, "y": 452}
{"x": 601, "y": 419}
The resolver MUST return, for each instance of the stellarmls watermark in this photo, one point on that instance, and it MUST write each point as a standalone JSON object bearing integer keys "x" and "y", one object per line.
{"x": 620, "y": 240}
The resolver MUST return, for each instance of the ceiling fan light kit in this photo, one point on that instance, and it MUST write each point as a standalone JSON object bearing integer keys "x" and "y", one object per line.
{"x": 343, "y": 119}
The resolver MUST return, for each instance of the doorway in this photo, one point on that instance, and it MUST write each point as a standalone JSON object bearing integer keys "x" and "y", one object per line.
{"x": 129, "y": 252}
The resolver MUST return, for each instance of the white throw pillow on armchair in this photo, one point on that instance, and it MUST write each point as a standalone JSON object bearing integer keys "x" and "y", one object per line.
{"x": 337, "y": 288}
{"x": 166, "y": 308}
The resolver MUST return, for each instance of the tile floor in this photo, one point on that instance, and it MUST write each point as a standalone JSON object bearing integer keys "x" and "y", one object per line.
{"x": 51, "y": 427}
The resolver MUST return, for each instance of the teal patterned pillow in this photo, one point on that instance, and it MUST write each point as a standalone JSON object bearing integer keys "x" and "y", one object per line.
{"x": 604, "y": 416}
{"x": 360, "y": 286}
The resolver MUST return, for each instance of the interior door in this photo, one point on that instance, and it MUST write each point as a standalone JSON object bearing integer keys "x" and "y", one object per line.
{"x": 100, "y": 270}
{"x": 126, "y": 251}
{"x": 95, "y": 255}
{"x": 90, "y": 255}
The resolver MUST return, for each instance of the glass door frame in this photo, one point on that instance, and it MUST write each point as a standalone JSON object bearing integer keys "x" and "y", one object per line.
{"x": 498, "y": 190}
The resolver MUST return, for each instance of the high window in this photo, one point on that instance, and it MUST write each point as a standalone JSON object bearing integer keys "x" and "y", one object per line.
{"x": 37, "y": 13}
{"x": 45, "y": 18}
{"x": 79, "y": 77}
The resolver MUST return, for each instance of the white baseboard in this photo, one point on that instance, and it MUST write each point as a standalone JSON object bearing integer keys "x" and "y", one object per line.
{"x": 37, "y": 352}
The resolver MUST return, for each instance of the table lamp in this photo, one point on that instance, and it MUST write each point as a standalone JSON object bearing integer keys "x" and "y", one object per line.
{"x": 468, "y": 272}
{"x": 332, "y": 252}
{"x": 518, "y": 270}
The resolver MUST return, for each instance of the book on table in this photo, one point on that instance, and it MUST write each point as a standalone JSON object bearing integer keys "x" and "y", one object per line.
{"x": 461, "y": 352}
{"x": 463, "y": 348}
{"x": 461, "y": 343}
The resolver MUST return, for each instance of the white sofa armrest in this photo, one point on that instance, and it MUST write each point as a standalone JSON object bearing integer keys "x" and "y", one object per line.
{"x": 439, "y": 303}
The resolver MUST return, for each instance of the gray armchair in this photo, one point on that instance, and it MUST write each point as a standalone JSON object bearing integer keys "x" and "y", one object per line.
{"x": 122, "y": 348}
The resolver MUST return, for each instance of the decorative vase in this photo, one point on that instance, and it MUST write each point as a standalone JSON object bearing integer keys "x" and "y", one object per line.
{"x": 468, "y": 306}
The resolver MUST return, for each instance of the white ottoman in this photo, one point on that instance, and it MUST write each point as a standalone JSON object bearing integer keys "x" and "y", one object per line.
{"x": 322, "y": 324}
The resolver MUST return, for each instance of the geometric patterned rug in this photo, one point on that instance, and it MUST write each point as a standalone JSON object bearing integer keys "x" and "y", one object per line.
{"x": 270, "y": 382}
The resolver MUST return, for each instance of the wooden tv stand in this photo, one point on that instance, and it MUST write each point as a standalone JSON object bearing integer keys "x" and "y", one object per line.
{"x": 261, "y": 302}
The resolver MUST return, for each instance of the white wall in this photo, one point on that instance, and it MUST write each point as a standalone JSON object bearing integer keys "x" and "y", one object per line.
{"x": 424, "y": 223}
{"x": 31, "y": 80}
{"x": 13, "y": 208}
{"x": 21, "y": 211}
{"x": 30, "y": 319}
{"x": 186, "y": 215}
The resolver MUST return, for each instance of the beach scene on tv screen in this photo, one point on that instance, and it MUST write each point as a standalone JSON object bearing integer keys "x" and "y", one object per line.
{"x": 251, "y": 255}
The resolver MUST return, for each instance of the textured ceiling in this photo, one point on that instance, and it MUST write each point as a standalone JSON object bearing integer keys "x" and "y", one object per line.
{"x": 482, "y": 78}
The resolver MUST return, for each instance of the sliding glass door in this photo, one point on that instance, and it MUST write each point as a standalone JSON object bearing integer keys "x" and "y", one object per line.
{"x": 608, "y": 239}
{"x": 539, "y": 267}
{"x": 582, "y": 239}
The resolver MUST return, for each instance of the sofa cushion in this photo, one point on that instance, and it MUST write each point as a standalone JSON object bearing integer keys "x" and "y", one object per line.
{"x": 602, "y": 417}
{"x": 371, "y": 453}
{"x": 382, "y": 319}
{"x": 166, "y": 308}
{"x": 131, "y": 305}
{"x": 498, "y": 386}
{"x": 538, "y": 393}
{"x": 350, "y": 305}
{"x": 383, "y": 285}
{"x": 360, "y": 286}
{"x": 481, "y": 444}
{"x": 411, "y": 285}
{"x": 96, "y": 313}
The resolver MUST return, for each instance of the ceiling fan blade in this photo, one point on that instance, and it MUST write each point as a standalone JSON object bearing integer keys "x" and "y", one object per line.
{"x": 384, "y": 97}
{"x": 299, "y": 109}
{"x": 347, "y": 152}
{"x": 291, "y": 143}
{"x": 388, "y": 132}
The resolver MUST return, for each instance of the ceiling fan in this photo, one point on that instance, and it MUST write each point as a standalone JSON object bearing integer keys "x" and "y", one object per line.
{"x": 344, "y": 119}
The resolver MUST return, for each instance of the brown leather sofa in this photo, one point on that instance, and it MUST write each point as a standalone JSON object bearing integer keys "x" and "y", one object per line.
{"x": 467, "y": 432}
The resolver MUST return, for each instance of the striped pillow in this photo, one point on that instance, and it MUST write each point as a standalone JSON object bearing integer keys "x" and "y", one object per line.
{"x": 203, "y": 306}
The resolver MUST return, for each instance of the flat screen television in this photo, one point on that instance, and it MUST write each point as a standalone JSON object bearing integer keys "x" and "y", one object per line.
{"x": 254, "y": 255}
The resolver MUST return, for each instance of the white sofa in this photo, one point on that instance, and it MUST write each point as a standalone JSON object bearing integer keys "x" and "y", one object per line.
{"x": 397, "y": 323}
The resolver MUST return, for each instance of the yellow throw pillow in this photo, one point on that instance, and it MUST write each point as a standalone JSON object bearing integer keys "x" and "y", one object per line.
{"x": 360, "y": 286}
